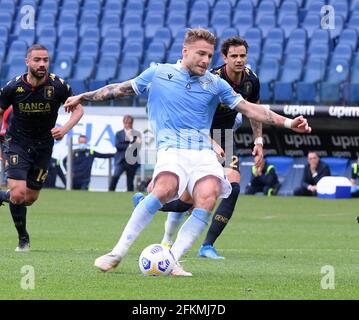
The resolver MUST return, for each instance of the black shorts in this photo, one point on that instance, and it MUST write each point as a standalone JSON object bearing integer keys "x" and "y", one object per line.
{"x": 28, "y": 162}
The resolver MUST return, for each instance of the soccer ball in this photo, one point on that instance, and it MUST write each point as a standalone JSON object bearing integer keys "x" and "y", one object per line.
{"x": 156, "y": 260}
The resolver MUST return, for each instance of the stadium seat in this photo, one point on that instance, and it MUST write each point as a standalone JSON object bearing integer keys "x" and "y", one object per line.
{"x": 272, "y": 50}
{"x": 340, "y": 8}
{"x": 27, "y": 35}
{"x": 156, "y": 7}
{"x": 268, "y": 72}
{"x": 129, "y": 69}
{"x": 339, "y": 26}
{"x": 89, "y": 49}
{"x": 227, "y": 33}
{"x": 163, "y": 34}
{"x": 153, "y": 22}
{"x": 69, "y": 33}
{"x": 220, "y": 22}
{"x": 178, "y": 6}
{"x": 133, "y": 48}
{"x": 134, "y": 6}
{"x": 198, "y": 21}
{"x": 91, "y": 34}
{"x": 311, "y": 23}
{"x": 320, "y": 36}
{"x": 282, "y": 165}
{"x": 222, "y": 7}
{"x": 50, "y": 46}
{"x": 343, "y": 51}
{"x": 254, "y": 51}
{"x": 314, "y": 7}
{"x": 17, "y": 48}
{"x": 288, "y": 8}
{"x": 8, "y": 8}
{"x": 4, "y": 34}
{"x": 338, "y": 166}
{"x": 292, "y": 72}
{"x": 65, "y": 20}
{"x": 298, "y": 36}
{"x": 349, "y": 36}
{"x": 111, "y": 48}
{"x": 296, "y": 51}
{"x": 50, "y": 6}
{"x": 265, "y": 8}
{"x": 63, "y": 66}
{"x": 131, "y": 21}
{"x": 84, "y": 68}
{"x": 253, "y": 36}
{"x": 319, "y": 50}
{"x": 175, "y": 52}
{"x": 71, "y": 6}
{"x": 114, "y": 6}
{"x": 275, "y": 35}
{"x": 252, "y": 64}
{"x": 314, "y": 72}
{"x": 109, "y": 20}
{"x": 266, "y": 23}
{"x": 338, "y": 73}
{"x": 45, "y": 21}
{"x": 88, "y": 20}
{"x": 176, "y": 22}
{"x": 243, "y": 9}
{"x": 294, "y": 178}
{"x": 68, "y": 48}
{"x": 16, "y": 67}
{"x": 114, "y": 34}
{"x": 105, "y": 71}
{"x": 354, "y": 21}
{"x": 5, "y": 20}
{"x": 243, "y": 24}
{"x": 155, "y": 53}
{"x": 93, "y": 6}
{"x": 353, "y": 86}
{"x": 289, "y": 23}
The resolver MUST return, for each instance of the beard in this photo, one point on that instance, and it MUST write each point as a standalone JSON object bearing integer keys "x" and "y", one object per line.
{"x": 38, "y": 75}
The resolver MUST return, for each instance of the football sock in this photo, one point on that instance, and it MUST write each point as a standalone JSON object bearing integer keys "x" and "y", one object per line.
{"x": 190, "y": 232}
{"x": 4, "y": 196}
{"x": 174, "y": 219}
{"x": 222, "y": 215}
{"x": 141, "y": 216}
{"x": 18, "y": 213}
{"x": 176, "y": 206}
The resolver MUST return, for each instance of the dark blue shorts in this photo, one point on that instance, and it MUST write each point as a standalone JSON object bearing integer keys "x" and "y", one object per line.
{"x": 28, "y": 162}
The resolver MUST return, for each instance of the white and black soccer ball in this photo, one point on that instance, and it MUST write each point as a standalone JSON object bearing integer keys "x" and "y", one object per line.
{"x": 156, "y": 260}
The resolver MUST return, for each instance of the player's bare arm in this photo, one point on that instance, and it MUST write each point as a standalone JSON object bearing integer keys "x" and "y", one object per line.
{"x": 262, "y": 114}
{"x": 109, "y": 92}
{"x": 258, "y": 142}
{"x": 76, "y": 115}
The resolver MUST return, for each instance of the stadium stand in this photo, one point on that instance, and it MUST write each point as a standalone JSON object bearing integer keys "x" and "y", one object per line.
{"x": 276, "y": 29}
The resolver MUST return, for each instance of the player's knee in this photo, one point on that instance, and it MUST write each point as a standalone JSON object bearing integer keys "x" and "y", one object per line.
{"x": 206, "y": 201}
{"x": 17, "y": 196}
{"x": 30, "y": 199}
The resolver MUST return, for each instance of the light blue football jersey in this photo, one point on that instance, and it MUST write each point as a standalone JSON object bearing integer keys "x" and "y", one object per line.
{"x": 181, "y": 107}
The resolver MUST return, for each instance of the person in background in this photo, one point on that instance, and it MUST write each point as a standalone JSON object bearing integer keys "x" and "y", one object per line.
{"x": 355, "y": 179}
{"x": 127, "y": 143}
{"x": 83, "y": 158}
{"x": 264, "y": 179}
{"x": 313, "y": 172}
{"x": 54, "y": 171}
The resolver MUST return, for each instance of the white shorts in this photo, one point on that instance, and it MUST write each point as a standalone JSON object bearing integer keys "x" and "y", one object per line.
{"x": 190, "y": 166}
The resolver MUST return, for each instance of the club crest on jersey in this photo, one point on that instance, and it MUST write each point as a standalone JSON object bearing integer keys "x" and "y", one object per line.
{"x": 247, "y": 88}
{"x": 14, "y": 159}
{"x": 20, "y": 90}
{"x": 49, "y": 92}
{"x": 205, "y": 83}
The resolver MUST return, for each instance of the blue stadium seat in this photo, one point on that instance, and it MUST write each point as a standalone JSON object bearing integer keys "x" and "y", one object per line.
{"x": 114, "y": 34}
{"x": 91, "y": 34}
{"x": 349, "y": 36}
{"x": 253, "y": 36}
{"x": 156, "y": 7}
{"x": 27, "y": 35}
{"x": 131, "y": 21}
{"x": 354, "y": 21}
{"x": 88, "y": 20}
{"x": 109, "y": 20}
{"x": 266, "y": 23}
{"x": 320, "y": 36}
{"x": 319, "y": 50}
{"x": 198, "y": 21}
{"x": 254, "y": 51}
{"x": 220, "y": 22}
{"x": 294, "y": 178}
{"x": 50, "y": 46}
{"x": 338, "y": 73}
{"x": 337, "y": 166}
{"x": 133, "y": 48}
{"x": 339, "y": 26}
{"x": 252, "y": 64}
{"x": 341, "y": 8}
{"x": 135, "y": 35}
{"x": 176, "y": 22}
{"x": 200, "y": 7}
{"x": 114, "y": 6}
{"x": 69, "y": 33}
{"x": 222, "y": 7}
{"x": 265, "y": 8}
{"x": 63, "y": 66}
{"x": 229, "y": 32}
{"x": 71, "y": 6}
{"x": 311, "y": 23}
{"x": 175, "y": 52}
{"x": 89, "y": 49}
{"x": 298, "y": 36}
{"x": 353, "y": 86}
{"x": 243, "y": 23}
{"x": 178, "y": 6}
{"x": 273, "y": 50}
{"x": 128, "y": 69}
{"x": 84, "y": 68}
{"x": 8, "y": 7}
{"x": 105, "y": 71}
{"x": 17, "y": 48}
{"x": 111, "y": 48}
{"x": 343, "y": 51}
{"x": 16, "y": 67}
{"x": 3, "y": 49}
{"x": 45, "y": 21}
{"x": 292, "y": 72}
{"x": 4, "y": 33}
{"x": 155, "y": 53}
{"x": 5, "y": 20}
{"x": 282, "y": 164}
{"x": 314, "y": 72}
{"x": 289, "y": 23}
{"x": 288, "y": 8}
{"x": 295, "y": 50}
{"x": 32, "y": 3}
{"x": 315, "y": 6}
{"x": 275, "y": 35}
{"x": 67, "y": 48}
{"x": 268, "y": 72}
{"x": 66, "y": 19}
{"x": 50, "y": 6}
{"x": 134, "y": 6}
{"x": 153, "y": 22}
{"x": 244, "y": 8}
{"x": 163, "y": 34}
{"x": 93, "y": 6}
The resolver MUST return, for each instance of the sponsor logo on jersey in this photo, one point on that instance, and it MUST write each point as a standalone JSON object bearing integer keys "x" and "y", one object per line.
{"x": 35, "y": 107}
{"x": 20, "y": 90}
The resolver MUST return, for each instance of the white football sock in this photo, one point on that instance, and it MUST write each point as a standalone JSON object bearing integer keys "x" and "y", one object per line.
{"x": 190, "y": 232}
{"x": 140, "y": 218}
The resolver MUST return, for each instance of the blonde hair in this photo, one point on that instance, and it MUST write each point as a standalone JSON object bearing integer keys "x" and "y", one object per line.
{"x": 193, "y": 35}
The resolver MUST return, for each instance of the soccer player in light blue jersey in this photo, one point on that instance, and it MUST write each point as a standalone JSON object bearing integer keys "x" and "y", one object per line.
{"x": 182, "y": 100}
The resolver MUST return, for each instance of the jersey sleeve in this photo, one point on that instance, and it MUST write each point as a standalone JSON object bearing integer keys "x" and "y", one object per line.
{"x": 66, "y": 91}
{"x": 227, "y": 95}
{"x": 5, "y": 97}
{"x": 256, "y": 89}
{"x": 142, "y": 81}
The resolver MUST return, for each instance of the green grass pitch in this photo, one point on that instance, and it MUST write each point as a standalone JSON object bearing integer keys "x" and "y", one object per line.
{"x": 275, "y": 248}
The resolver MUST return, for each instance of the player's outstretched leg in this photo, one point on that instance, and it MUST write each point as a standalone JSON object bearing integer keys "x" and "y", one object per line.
{"x": 174, "y": 220}
{"x": 219, "y": 221}
{"x": 141, "y": 217}
{"x": 18, "y": 213}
